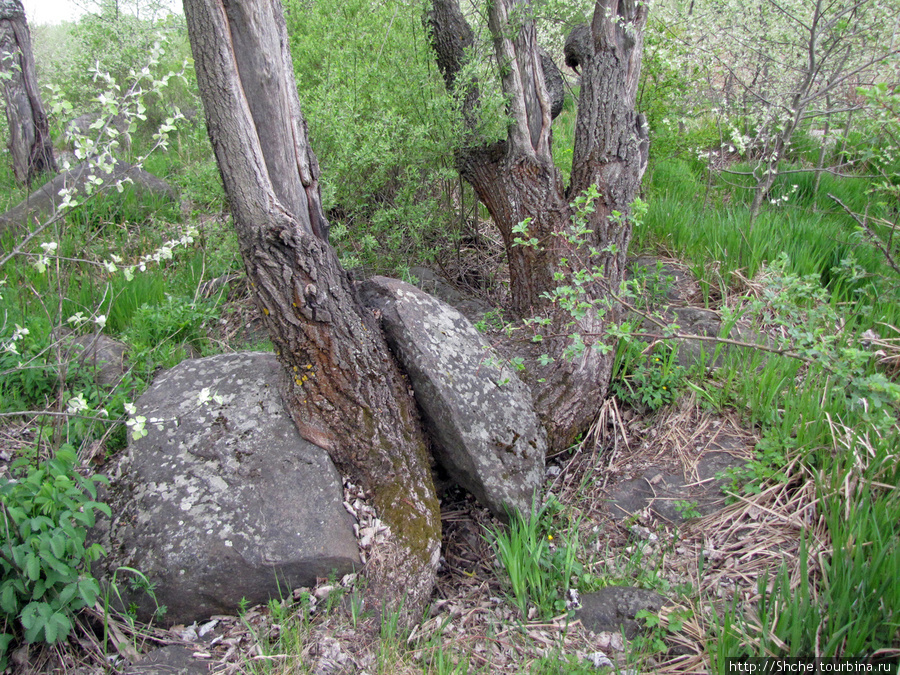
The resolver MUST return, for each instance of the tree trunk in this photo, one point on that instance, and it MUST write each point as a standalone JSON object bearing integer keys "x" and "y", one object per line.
{"x": 518, "y": 182}
{"x": 29, "y": 131}
{"x": 348, "y": 395}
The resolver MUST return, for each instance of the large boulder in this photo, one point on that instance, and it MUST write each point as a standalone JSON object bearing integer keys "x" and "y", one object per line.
{"x": 223, "y": 502}
{"x": 478, "y": 413}
{"x": 44, "y": 202}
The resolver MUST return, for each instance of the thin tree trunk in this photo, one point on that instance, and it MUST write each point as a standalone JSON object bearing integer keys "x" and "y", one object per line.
{"x": 519, "y": 184}
{"x": 29, "y": 131}
{"x": 348, "y": 395}
{"x": 823, "y": 151}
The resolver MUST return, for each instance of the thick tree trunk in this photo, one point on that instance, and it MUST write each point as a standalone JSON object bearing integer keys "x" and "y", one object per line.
{"x": 348, "y": 395}
{"x": 518, "y": 182}
{"x": 29, "y": 131}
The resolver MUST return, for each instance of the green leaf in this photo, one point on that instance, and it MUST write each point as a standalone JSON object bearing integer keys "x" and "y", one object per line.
{"x": 33, "y": 567}
{"x": 58, "y": 545}
{"x": 100, "y": 506}
{"x": 9, "y": 601}
{"x": 5, "y": 639}
{"x": 67, "y": 593}
{"x": 40, "y": 587}
{"x": 50, "y": 632}
{"x": 88, "y": 591}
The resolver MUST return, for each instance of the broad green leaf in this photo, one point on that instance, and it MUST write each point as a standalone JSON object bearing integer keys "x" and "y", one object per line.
{"x": 33, "y": 567}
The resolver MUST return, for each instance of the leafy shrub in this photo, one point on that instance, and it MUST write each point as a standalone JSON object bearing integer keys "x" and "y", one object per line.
{"x": 30, "y": 386}
{"x": 380, "y": 124}
{"x": 44, "y": 559}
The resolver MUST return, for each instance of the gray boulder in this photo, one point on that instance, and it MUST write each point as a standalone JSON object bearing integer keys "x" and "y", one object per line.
{"x": 479, "y": 414}
{"x": 43, "y": 202}
{"x": 225, "y": 502}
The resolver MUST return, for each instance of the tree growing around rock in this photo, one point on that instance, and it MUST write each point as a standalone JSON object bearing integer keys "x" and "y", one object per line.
{"x": 348, "y": 395}
{"x": 29, "y": 132}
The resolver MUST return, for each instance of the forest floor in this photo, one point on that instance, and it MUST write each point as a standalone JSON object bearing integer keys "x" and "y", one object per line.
{"x": 702, "y": 565}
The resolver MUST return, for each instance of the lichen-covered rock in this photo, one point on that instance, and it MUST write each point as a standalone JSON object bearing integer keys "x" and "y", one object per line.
{"x": 225, "y": 502}
{"x": 478, "y": 413}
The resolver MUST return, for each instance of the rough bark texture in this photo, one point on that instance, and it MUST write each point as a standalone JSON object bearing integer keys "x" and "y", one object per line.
{"x": 517, "y": 180}
{"x": 29, "y": 131}
{"x": 347, "y": 395}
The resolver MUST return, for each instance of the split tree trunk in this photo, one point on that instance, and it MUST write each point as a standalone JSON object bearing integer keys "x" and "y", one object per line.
{"x": 29, "y": 131}
{"x": 518, "y": 182}
{"x": 347, "y": 394}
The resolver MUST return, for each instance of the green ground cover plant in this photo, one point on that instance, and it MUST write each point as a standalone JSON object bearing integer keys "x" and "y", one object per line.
{"x": 47, "y": 509}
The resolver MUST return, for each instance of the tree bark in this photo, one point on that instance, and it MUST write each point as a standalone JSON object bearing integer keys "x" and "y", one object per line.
{"x": 29, "y": 131}
{"x": 348, "y": 395}
{"x": 518, "y": 182}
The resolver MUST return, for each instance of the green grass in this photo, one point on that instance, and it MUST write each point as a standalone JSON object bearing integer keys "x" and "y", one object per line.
{"x": 539, "y": 567}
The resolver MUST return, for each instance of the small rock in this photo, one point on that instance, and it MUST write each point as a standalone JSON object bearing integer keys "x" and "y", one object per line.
{"x": 614, "y": 608}
{"x": 173, "y": 660}
{"x": 600, "y": 660}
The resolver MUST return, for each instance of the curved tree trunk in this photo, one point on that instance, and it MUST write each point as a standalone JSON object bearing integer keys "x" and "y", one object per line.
{"x": 348, "y": 395}
{"x": 29, "y": 131}
{"x": 518, "y": 182}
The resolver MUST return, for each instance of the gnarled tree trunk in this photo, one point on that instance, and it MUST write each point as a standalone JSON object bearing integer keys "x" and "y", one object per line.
{"x": 348, "y": 395}
{"x": 518, "y": 182}
{"x": 29, "y": 131}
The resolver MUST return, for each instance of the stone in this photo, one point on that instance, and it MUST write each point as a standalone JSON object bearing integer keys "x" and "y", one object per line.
{"x": 664, "y": 493}
{"x": 222, "y": 502}
{"x": 662, "y": 282}
{"x": 171, "y": 660}
{"x": 705, "y": 322}
{"x": 81, "y": 126}
{"x": 104, "y": 356}
{"x": 43, "y": 202}
{"x": 667, "y": 287}
{"x": 433, "y": 284}
{"x": 479, "y": 415}
{"x": 613, "y": 609}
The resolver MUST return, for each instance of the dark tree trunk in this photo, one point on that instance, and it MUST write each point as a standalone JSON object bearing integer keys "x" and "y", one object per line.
{"x": 348, "y": 395}
{"x": 29, "y": 131}
{"x": 518, "y": 182}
